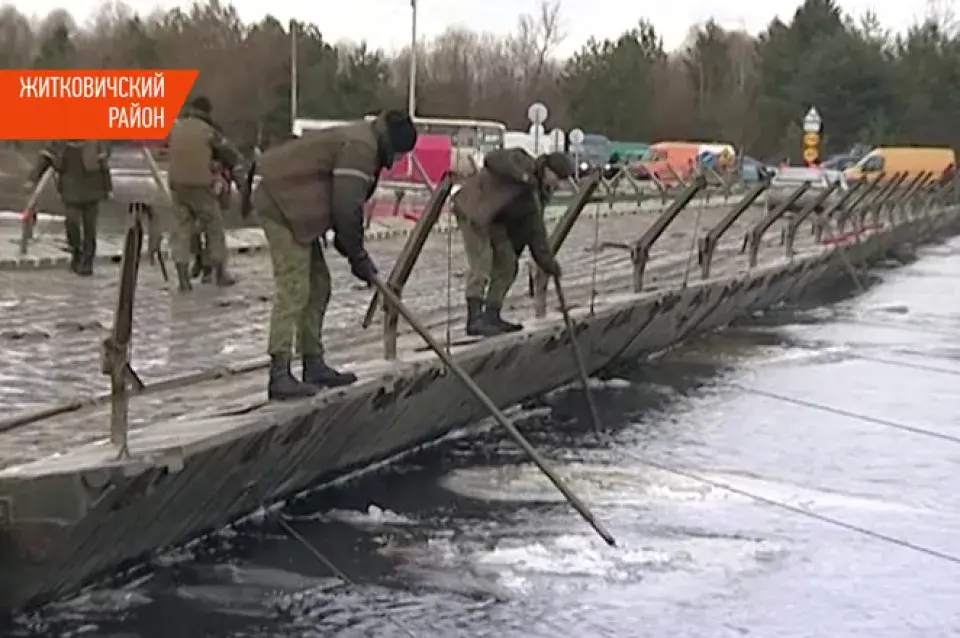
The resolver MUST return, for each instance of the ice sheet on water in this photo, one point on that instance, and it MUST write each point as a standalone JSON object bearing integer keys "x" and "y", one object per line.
{"x": 594, "y": 384}
{"x": 374, "y": 516}
{"x": 641, "y": 485}
{"x": 517, "y": 563}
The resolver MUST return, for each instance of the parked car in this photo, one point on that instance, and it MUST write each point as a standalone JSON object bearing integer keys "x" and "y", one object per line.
{"x": 753, "y": 170}
{"x": 840, "y": 162}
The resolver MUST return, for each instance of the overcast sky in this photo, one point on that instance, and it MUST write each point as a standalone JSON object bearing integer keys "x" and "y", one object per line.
{"x": 386, "y": 23}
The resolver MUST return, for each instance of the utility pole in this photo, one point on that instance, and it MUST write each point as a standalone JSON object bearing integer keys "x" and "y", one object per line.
{"x": 293, "y": 72}
{"x": 412, "y": 90}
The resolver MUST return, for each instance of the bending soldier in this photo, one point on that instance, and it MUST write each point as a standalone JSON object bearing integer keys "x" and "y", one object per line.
{"x": 83, "y": 181}
{"x": 308, "y": 186}
{"x": 500, "y": 211}
{"x": 194, "y": 145}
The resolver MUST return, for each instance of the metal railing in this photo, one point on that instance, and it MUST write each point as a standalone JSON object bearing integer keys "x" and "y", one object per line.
{"x": 890, "y": 202}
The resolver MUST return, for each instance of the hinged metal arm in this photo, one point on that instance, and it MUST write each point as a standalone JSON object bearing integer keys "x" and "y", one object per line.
{"x": 404, "y": 265}
{"x": 755, "y": 236}
{"x": 559, "y": 235}
{"x": 115, "y": 350}
{"x": 707, "y": 245}
{"x": 640, "y": 251}
{"x": 797, "y": 220}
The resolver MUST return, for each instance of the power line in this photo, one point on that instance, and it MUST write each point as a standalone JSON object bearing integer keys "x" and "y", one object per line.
{"x": 797, "y": 510}
{"x": 847, "y": 413}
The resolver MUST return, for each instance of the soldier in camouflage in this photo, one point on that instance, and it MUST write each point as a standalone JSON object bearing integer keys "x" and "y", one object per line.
{"x": 307, "y": 187}
{"x": 194, "y": 144}
{"x": 83, "y": 181}
{"x": 200, "y": 242}
{"x": 499, "y": 211}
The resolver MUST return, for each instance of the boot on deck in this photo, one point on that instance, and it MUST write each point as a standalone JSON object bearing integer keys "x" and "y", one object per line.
{"x": 317, "y": 373}
{"x": 283, "y": 386}
{"x": 222, "y": 278}
{"x": 478, "y": 324}
{"x": 493, "y": 318}
{"x": 183, "y": 278}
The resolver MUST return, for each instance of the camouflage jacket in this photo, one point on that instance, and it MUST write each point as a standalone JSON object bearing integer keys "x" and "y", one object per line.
{"x": 82, "y": 170}
{"x": 194, "y": 144}
{"x": 508, "y": 191}
{"x": 323, "y": 176}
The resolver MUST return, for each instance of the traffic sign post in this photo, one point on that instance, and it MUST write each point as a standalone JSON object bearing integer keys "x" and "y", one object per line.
{"x": 537, "y": 113}
{"x": 812, "y": 126}
{"x": 557, "y": 140}
{"x": 576, "y": 138}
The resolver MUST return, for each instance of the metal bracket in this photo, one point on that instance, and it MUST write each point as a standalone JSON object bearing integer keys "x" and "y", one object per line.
{"x": 28, "y": 217}
{"x": 755, "y": 236}
{"x": 874, "y": 188}
{"x": 115, "y": 350}
{"x": 794, "y": 224}
{"x": 403, "y": 267}
{"x": 875, "y": 205}
{"x": 899, "y": 204}
{"x": 844, "y": 206}
{"x": 706, "y": 246}
{"x": 559, "y": 235}
{"x": 640, "y": 251}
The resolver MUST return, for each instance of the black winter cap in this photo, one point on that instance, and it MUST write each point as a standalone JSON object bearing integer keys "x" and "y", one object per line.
{"x": 559, "y": 163}
{"x": 202, "y": 104}
{"x": 400, "y": 130}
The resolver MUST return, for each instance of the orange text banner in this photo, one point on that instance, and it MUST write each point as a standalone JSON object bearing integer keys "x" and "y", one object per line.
{"x": 91, "y": 105}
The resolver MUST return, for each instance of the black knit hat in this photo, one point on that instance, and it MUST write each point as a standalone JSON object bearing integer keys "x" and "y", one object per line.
{"x": 400, "y": 130}
{"x": 202, "y": 104}
{"x": 559, "y": 163}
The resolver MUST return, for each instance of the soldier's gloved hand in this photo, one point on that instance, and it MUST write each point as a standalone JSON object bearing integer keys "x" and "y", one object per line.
{"x": 552, "y": 268}
{"x": 363, "y": 267}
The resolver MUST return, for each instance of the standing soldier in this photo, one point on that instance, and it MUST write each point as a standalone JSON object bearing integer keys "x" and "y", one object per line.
{"x": 194, "y": 145}
{"x": 199, "y": 242}
{"x": 83, "y": 181}
{"x": 308, "y": 186}
{"x": 499, "y": 210}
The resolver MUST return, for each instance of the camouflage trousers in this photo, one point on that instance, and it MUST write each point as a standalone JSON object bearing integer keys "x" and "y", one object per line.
{"x": 196, "y": 210}
{"x": 301, "y": 282}
{"x": 492, "y": 260}
{"x": 80, "y": 226}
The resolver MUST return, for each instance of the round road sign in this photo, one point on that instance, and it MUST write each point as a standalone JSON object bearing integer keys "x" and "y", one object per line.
{"x": 537, "y": 113}
{"x": 810, "y": 154}
{"x": 576, "y": 136}
{"x": 811, "y": 139}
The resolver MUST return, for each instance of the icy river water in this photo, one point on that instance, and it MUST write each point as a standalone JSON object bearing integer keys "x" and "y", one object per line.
{"x": 466, "y": 539}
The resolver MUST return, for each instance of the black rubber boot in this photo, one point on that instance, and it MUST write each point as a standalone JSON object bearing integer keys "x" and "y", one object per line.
{"x": 283, "y": 386}
{"x": 494, "y": 319}
{"x": 196, "y": 248}
{"x": 206, "y": 275}
{"x": 223, "y": 278}
{"x": 183, "y": 278}
{"x": 477, "y": 324}
{"x": 84, "y": 265}
{"x": 87, "y": 253}
{"x": 316, "y": 372}
{"x": 75, "y": 262}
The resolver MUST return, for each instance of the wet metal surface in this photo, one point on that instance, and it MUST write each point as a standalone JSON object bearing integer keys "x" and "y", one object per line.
{"x": 54, "y": 322}
{"x": 466, "y": 540}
